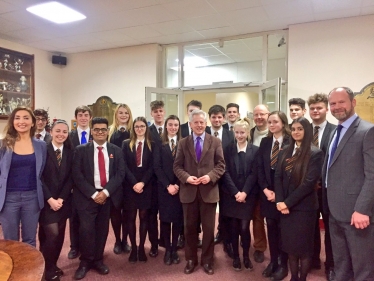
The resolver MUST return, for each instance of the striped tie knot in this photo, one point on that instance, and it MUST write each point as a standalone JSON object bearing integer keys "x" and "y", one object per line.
{"x": 291, "y": 161}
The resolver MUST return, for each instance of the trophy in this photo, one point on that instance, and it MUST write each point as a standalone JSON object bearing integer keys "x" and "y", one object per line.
{"x": 5, "y": 61}
{"x": 23, "y": 84}
{"x": 17, "y": 64}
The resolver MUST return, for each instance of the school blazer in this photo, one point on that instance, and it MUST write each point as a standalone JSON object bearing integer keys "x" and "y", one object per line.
{"x": 40, "y": 151}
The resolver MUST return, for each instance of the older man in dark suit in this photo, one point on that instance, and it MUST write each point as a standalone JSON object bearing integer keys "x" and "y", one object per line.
{"x": 322, "y": 129}
{"x": 199, "y": 164}
{"x": 98, "y": 171}
{"x": 348, "y": 176}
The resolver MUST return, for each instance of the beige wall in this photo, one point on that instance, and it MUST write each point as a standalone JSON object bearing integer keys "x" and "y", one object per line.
{"x": 122, "y": 74}
{"x": 48, "y": 83}
{"x": 327, "y": 54}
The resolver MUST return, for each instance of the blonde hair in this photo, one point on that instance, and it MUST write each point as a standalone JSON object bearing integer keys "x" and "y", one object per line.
{"x": 244, "y": 123}
{"x": 115, "y": 124}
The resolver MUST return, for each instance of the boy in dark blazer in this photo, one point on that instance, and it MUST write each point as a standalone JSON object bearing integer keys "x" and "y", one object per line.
{"x": 191, "y": 106}
{"x": 98, "y": 172}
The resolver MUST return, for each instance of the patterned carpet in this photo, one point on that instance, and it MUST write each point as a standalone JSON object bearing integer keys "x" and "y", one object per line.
{"x": 155, "y": 270}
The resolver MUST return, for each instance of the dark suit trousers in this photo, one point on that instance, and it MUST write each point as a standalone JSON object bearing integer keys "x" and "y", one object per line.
{"x": 74, "y": 228}
{"x": 353, "y": 251}
{"x": 94, "y": 227}
{"x": 329, "y": 263}
{"x": 259, "y": 234}
{"x": 191, "y": 213}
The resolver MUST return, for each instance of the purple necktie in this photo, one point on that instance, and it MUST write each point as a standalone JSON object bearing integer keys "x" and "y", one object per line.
{"x": 198, "y": 149}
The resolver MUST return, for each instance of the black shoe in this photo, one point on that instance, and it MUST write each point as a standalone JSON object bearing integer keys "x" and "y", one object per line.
{"x": 73, "y": 254}
{"x": 81, "y": 272}
{"x": 59, "y": 271}
{"x": 227, "y": 248}
{"x": 126, "y": 248}
{"x": 316, "y": 264}
{"x": 247, "y": 264}
{"x": 142, "y": 257}
{"x": 133, "y": 258}
{"x": 180, "y": 244}
{"x": 258, "y": 256}
{"x": 153, "y": 252}
{"x": 269, "y": 270}
{"x": 101, "y": 268}
{"x": 167, "y": 258}
{"x": 330, "y": 274}
{"x": 190, "y": 267}
{"x": 175, "y": 257}
{"x": 280, "y": 273}
{"x": 208, "y": 269}
{"x": 199, "y": 243}
{"x": 218, "y": 239}
{"x": 52, "y": 278}
{"x": 237, "y": 264}
{"x": 117, "y": 248}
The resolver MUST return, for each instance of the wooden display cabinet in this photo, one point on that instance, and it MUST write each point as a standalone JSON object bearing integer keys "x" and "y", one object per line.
{"x": 16, "y": 81}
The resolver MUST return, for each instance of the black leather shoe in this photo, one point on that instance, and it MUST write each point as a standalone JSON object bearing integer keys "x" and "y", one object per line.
{"x": 236, "y": 264}
{"x": 133, "y": 258}
{"x": 218, "y": 239}
{"x": 181, "y": 242}
{"x": 126, "y": 248}
{"x": 190, "y": 267}
{"x": 175, "y": 257}
{"x": 208, "y": 269}
{"x": 153, "y": 252}
{"x": 101, "y": 268}
{"x": 269, "y": 270}
{"x": 52, "y": 278}
{"x": 142, "y": 257}
{"x": 330, "y": 274}
{"x": 227, "y": 248}
{"x": 117, "y": 248}
{"x": 258, "y": 256}
{"x": 73, "y": 254}
{"x": 167, "y": 258}
{"x": 280, "y": 273}
{"x": 59, "y": 271}
{"x": 247, "y": 263}
{"x": 81, "y": 272}
{"x": 199, "y": 243}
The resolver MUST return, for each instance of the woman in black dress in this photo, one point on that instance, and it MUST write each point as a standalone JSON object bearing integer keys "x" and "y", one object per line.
{"x": 296, "y": 175}
{"x": 137, "y": 187}
{"x": 240, "y": 190}
{"x": 118, "y": 132}
{"x": 170, "y": 207}
{"x": 57, "y": 186}
{"x": 278, "y": 136}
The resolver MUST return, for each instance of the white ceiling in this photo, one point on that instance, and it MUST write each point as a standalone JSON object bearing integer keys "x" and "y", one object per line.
{"x": 119, "y": 23}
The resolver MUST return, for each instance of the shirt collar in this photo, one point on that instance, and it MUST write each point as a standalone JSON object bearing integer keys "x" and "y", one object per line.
{"x": 280, "y": 139}
{"x": 96, "y": 145}
{"x": 55, "y": 147}
{"x": 202, "y": 137}
{"x": 173, "y": 138}
{"x": 80, "y": 130}
{"x": 243, "y": 149}
{"x": 347, "y": 123}
{"x": 321, "y": 126}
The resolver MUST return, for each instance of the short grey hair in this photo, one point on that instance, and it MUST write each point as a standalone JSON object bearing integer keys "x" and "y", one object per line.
{"x": 197, "y": 112}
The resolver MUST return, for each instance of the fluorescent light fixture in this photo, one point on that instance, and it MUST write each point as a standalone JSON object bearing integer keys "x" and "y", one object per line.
{"x": 56, "y": 12}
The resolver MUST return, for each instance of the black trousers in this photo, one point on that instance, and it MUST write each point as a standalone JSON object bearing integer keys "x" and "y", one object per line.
{"x": 94, "y": 228}
{"x": 74, "y": 228}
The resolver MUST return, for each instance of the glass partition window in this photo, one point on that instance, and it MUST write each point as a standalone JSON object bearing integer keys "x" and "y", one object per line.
{"x": 277, "y": 53}
{"x": 226, "y": 61}
{"x": 171, "y": 54}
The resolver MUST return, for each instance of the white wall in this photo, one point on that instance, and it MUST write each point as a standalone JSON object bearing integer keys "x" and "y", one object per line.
{"x": 327, "y": 54}
{"x": 122, "y": 74}
{"x": 48, "y": 83}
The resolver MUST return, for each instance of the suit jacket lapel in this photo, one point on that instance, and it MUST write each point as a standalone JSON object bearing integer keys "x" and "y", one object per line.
{"x": 248, "y": 158}
{"x": 191, "y": 147}
{"x": 206, "y": 145}
{"x": 38, "y": 157}
{"x": 91, "y": 156}
{"x": 111, "y": 158}
{"x": 52, "y": 153}
{"x": 345, "y": 138}
{"x": 236, "y": 157}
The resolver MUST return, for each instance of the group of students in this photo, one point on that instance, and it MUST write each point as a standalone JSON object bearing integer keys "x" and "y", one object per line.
{"x": 128, "y": 169}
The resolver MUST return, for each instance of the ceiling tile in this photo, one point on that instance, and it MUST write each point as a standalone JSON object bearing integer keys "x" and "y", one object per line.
{"x": 6, "y": 7}
{"x": 225, "y": 5}
{"x": 85, "y": 40}
{"x": 218, "y": 32}
{"x": 190, "y": 9}
{"x": 139, "y": 32}
{"x": 320, "y": 6}
{"x": 172, "y": 27}
{"x": 206, "y": 22}
{"x": 246, "y": 16}
{"x": 337, "y": 14}
{"x": 367, "y": 3}
{"x": 7, "y": 26}
{"x": 288, "y": 9}
{"x": 368, "y": 10}
{"x": 112, "y": 36}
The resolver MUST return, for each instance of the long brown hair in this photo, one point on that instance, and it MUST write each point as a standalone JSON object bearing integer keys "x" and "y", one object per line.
{"x": 133, "y": 136}
{"x": 302, "y": 161}
{"x": 11, "y": 134}
{"x": 164, "y": 137}
{"x": 115, "y": 124}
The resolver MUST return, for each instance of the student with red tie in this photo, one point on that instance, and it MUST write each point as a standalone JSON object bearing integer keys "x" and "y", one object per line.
{"x": 170, "y": 207}
{"x": 298, "y": 170}
{"x": 137, "y": 186}
{"x": 98, "y": 172}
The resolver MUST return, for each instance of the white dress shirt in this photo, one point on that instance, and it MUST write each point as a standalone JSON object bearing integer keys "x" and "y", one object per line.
{"x": 96, "y": 167}
{"x": 79, "y": 130}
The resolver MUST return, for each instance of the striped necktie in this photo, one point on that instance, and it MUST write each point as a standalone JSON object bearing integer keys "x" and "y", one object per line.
{"x": 160, "y": 131}
{"x": 290, "y": 161}
{"x": 216, "y": 134}
{"x": 173, "y": 148}
{"x": 315, "y": 136}
{"x": 58, "y": 156}
{"x": 274, "y": 155}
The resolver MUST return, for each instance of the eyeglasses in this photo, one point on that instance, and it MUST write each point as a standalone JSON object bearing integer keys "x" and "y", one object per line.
{"x": 139, "y": 127}
{"x": 102, "y": 130}
{"x": 260, "y": 114}
{"x": 41, "y": 119}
